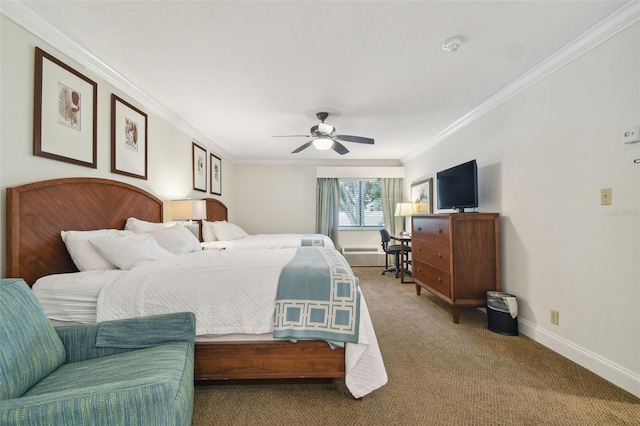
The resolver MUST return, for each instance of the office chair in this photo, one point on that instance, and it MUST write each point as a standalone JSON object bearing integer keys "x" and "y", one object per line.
{"x": 393, "y": 250}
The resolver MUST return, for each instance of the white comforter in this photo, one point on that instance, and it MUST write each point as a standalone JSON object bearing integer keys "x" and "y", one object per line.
{"x": 262, "y": 241}
{"x": 230, "y": 291}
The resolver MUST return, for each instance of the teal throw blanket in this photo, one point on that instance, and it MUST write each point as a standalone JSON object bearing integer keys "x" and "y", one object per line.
{"x": 318, "y": 298}
{"x": 312, "y": 240}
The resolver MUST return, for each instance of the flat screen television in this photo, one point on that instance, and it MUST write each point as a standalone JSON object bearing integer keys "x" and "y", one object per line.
{"x": 458, "y": 187}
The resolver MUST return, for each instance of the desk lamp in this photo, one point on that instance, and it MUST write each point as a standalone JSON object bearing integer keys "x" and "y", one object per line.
{"x": 403, "y": 210}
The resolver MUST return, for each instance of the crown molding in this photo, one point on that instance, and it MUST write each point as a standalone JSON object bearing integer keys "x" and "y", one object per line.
{"x": 615, "y": 23}
{"x": 20, "y": 13}
{"x": 351, "y": 162}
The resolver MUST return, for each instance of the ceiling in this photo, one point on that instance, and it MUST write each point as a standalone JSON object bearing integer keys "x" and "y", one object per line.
{"x": 241, "y": 72}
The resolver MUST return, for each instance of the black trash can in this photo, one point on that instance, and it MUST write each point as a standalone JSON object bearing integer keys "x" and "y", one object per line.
{"x": 502, "y": 313}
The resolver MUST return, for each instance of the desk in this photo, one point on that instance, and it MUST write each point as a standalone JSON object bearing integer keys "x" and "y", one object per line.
{"x": 404, "y": 240}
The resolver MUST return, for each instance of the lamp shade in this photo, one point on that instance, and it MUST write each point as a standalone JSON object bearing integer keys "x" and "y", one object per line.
{"x": 404, "y": 209}
{"x": 188, "y": 209}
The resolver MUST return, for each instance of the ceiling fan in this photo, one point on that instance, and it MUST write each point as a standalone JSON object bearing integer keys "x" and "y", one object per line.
{"x": 325, "y": 137}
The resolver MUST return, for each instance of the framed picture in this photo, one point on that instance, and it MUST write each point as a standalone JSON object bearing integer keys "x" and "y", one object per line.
{"x": 128, "y": 139}
{"x": 199, "y": 158}
{"x": 65, "y": 113}
{"x": 422, "y": 196}
{"x": 216, "y": 175}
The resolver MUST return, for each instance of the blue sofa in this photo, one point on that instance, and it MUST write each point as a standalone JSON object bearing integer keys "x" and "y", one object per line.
{"x": 129, "y": 372}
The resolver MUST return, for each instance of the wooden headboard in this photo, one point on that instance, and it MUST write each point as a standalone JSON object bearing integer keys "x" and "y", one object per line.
{"x": 37, "y": 212}
{"x": 216, "y": 210}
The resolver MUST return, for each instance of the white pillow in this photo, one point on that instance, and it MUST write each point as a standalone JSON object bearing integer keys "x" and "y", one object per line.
{"x": 226, "y": 231}
{"x": 83, "y": 254}
{"x": 137, "y": 225}
{"x": 177, "y": 239}
{"x": 208, "y": 233}
{"x": 129, "y": 251}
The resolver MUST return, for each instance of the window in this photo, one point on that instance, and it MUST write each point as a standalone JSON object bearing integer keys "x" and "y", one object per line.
{"x": 360, "y": 204}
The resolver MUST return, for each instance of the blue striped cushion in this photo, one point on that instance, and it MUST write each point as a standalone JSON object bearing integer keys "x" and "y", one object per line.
{"x": 163, "y": 363}
{"x": 31, "y": 348}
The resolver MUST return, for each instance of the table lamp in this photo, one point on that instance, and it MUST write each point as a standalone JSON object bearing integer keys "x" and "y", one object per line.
{"x": 189, "y": 210}
{"x": 403, "y": 210}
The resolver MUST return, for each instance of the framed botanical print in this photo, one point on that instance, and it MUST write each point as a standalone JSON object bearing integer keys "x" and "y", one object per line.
{"x": 65, "y": 113}
{"x": 422, "y": 196}
{"x": 199, "y": 159}
{"x": 128, "y": 139}
{"x": 216, "y": 175}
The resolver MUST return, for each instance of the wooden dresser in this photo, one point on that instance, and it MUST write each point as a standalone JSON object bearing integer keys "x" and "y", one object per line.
{"x": 456, "y": 257}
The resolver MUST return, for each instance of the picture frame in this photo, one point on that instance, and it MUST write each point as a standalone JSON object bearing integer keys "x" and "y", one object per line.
{"x": 422, "y": 196}
{"x": 199, "y": 163}
{"x": 128, "y": 139}
{"x": 216, "y": 175}
{"x": 65, "y": 113}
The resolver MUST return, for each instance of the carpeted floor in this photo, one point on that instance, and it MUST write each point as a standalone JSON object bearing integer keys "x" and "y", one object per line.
{"x": 440, "y": 373}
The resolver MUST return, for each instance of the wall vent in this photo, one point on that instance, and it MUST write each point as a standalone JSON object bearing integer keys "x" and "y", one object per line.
{"x": 363, "y": 256}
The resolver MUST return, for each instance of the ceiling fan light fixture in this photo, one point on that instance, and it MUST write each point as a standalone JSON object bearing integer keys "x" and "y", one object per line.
{"x": 322, "y": 143}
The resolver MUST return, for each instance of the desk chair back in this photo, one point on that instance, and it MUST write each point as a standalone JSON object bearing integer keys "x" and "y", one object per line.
{"x": 385, "y": 237}
{"x": 389, "y": 250}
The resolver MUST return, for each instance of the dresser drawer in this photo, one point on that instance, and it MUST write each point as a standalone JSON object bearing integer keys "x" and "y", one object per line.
{"x": 436, "y": 254}
{"x": 434, "y": 229}
{"x": 432, "y": 277}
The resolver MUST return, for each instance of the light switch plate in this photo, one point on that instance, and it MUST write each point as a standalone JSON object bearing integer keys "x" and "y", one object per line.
{"x": 605, "y": 196}
{"x": 631, "y": 136}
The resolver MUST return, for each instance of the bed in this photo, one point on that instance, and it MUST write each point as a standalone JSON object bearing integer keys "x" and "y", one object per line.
{"x": 37, "y": 212}
{"x": 229, "y": 236}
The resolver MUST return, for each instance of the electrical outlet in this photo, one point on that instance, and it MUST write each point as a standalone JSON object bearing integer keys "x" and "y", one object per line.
{"x": 555, "y": 317}
{"x": 605, "y": 196}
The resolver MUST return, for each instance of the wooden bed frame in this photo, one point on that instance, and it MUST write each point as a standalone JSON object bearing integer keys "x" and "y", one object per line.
{"x": 37, "y": 212}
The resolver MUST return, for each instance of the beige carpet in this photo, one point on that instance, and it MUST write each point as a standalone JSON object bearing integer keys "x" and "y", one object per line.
{"x": 440, "y": 373}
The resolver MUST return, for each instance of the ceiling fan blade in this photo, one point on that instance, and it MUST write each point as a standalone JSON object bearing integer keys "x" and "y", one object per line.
{"x": 291, "y": 136}
{"x": 356, "y": 139}
{"x": 339, "y": 148}
{"x": 305, "y": 146}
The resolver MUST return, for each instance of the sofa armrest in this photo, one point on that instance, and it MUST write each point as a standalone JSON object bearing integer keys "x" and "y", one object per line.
{"x": 88, "y": 341}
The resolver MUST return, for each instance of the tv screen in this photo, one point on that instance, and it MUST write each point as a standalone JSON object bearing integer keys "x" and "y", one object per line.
{"x": 458, "y": 187}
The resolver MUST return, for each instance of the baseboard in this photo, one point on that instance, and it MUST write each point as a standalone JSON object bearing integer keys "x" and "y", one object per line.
{"x": 606, "y": 369}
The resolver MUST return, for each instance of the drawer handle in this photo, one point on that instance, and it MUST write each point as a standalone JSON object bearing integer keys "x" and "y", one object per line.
{"x": 439, "y": 256}
{"x": 419, "y": 248}
{"x": 439, "y": 231}
{"x": 419, "y": 228}
{"x": 419, "y": 269}
{"x": 439, "y": 280}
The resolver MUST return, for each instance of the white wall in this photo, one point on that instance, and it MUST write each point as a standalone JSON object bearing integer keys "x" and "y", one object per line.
{"x": 543, "y": 157}
{"x": 169, "y": 150}
{"x": 275, "y": 198}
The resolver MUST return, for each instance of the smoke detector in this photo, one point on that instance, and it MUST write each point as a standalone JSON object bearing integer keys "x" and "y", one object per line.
{"x": 452, "y": 44}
